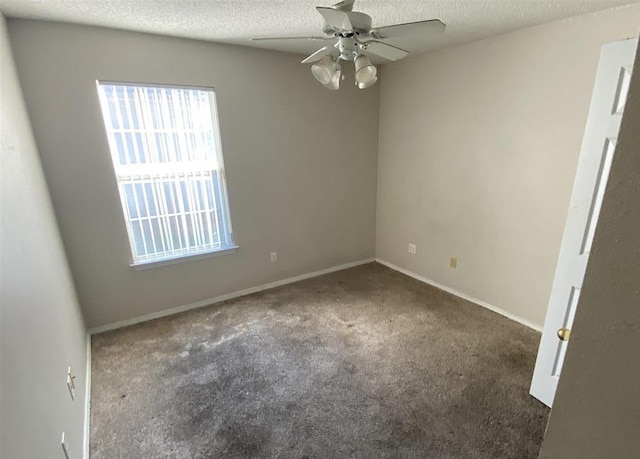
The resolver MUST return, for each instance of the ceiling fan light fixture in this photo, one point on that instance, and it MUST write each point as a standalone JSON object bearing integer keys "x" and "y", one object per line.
{"x": 327, "y": 71}
{"x": 324, "y": 70}
{"x": 365, "y": 72}
{"x": 334, "y": 84}
{"x": 348, "y": 35}
{"x": 367, "y": 84}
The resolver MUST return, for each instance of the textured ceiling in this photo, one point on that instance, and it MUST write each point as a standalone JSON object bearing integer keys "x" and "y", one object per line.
{"x": 235, "y": 21}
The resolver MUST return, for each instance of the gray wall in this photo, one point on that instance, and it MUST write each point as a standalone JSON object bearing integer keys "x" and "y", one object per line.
{"x": 478, "y": 149}
{"x": 300, "y": 160}
{"x": 596, "y": 413}
{"x": 41, "y": 327}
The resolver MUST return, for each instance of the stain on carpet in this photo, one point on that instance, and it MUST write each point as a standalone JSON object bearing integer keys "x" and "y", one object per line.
{"x": 364, "y": 362}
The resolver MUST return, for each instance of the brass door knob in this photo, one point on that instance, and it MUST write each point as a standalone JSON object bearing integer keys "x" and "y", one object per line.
{"x": 564, "y": 334}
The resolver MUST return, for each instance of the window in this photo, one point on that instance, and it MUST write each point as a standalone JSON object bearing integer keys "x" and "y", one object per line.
{"x": 167, "y": 157}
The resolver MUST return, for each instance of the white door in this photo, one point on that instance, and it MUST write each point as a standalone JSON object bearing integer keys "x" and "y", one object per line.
{"x": 598, "y": 145}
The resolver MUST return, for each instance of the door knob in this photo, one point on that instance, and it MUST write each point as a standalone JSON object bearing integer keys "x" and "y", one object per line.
{"x": 564, "y": 334}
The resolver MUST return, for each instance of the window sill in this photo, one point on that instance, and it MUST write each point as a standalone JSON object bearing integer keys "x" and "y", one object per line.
{"x": 142, "y": 265}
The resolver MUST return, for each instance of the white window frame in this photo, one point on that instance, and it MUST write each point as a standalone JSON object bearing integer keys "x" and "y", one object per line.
{"x": 156, "y": 261}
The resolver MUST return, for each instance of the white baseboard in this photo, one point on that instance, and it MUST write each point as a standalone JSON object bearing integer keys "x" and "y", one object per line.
{"x": 228, "y": 296}
{"x": 457, "y": 293}
{"x": 87, "y": 399}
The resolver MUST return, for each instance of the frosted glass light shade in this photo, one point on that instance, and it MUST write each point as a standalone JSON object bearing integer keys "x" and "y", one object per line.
{"x": 327, "y": 72}
{"x": 365, "y": 72}
{"x": 324, "y": 70}
{"x": 334, "y": 84}
{"x": 368, "y": 84}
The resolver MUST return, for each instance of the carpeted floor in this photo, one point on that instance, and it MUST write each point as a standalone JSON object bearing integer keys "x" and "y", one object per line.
{"x": 364, "y": 362}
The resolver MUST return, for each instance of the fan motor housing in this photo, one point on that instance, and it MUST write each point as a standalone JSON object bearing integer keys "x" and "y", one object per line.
{"x": 348, "y": 47}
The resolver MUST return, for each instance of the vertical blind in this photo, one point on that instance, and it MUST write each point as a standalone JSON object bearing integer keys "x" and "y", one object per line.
{"x": 167, "y": 158}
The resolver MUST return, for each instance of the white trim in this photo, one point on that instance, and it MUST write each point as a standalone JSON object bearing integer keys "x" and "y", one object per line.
{"x": 87, "y": 399}
{"x": 157, "y": 263}
{"x": 459, "y": 294}
{"x": 228, "y": 296}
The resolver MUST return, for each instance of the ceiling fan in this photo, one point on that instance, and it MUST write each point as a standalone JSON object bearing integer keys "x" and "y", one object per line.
{"x": 356, "y": 40}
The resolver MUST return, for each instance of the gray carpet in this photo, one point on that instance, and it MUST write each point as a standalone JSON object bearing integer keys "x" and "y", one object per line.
{"x": 364, "y": 362}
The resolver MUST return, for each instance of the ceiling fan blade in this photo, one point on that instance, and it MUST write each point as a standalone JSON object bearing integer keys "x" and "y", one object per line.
{"x": 291, "y": 38}
{"x": 411, "y": 29}
{"x": 383, "y": 50}
{"x": 322, "y": 52}
{"x": 337, "y": 19}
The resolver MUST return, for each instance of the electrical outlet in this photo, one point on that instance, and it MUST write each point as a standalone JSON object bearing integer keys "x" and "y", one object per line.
{"x": 413, "y": 249}
{"x": 274, "y": 257}
{"x": 453, "y": 263}
{"x": 71, "y": 384}
{"x": 65, "y": 447}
